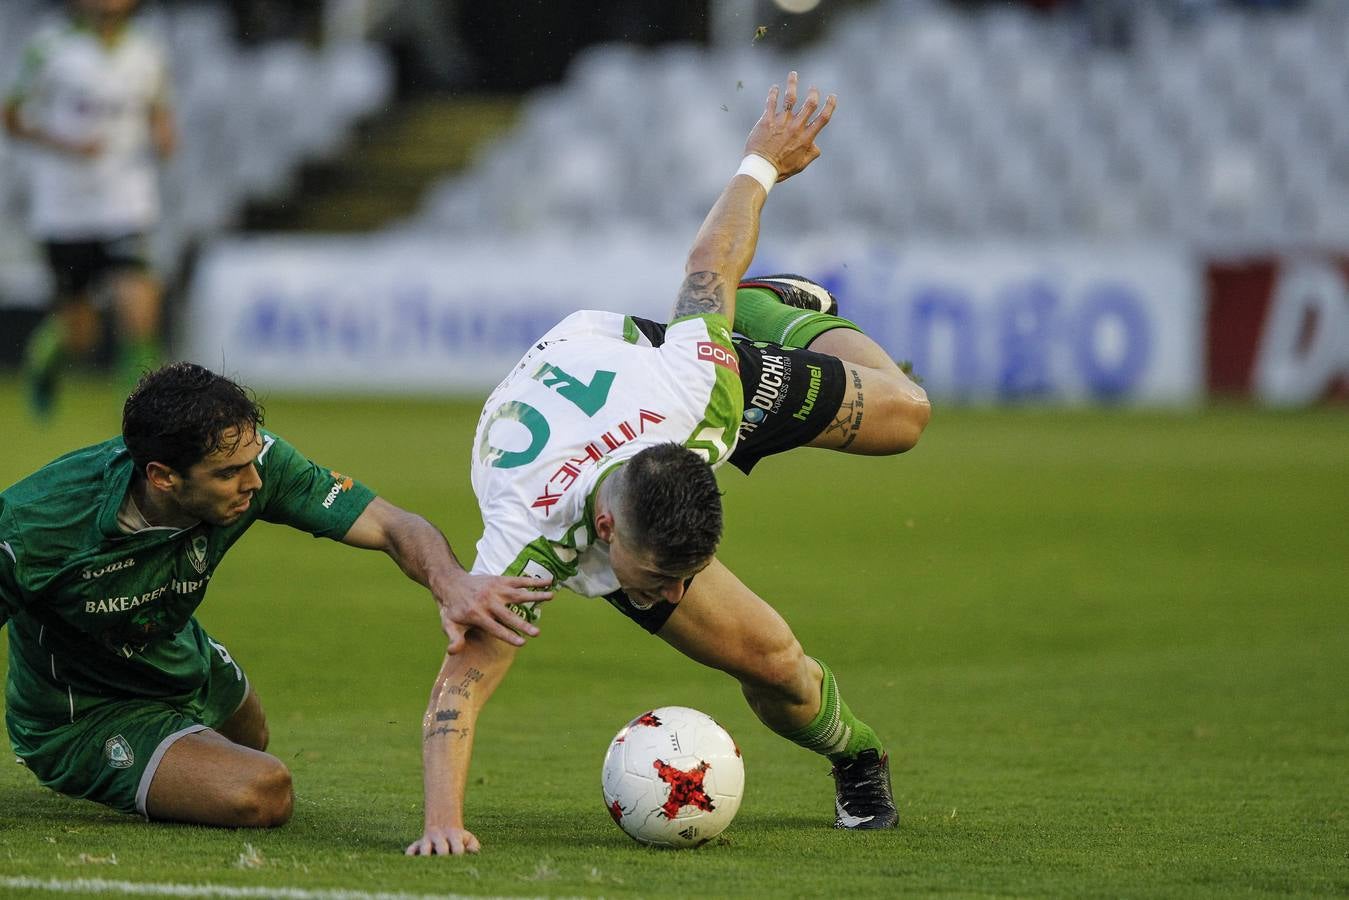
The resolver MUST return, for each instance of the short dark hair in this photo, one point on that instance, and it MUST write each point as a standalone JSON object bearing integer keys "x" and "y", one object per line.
{"x": 672, "y": 506}
{"x": 178, "y": 415}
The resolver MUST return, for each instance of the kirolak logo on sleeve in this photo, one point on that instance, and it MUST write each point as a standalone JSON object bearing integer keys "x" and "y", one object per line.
{"x": 719, "y": 355}
{"x": 341, "y": 484}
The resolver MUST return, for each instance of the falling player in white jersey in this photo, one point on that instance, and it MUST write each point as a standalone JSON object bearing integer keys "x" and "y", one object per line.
{"x": 593, "y": 463}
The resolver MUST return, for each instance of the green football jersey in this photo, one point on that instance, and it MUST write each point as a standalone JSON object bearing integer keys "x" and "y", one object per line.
{"x": 96, "y": 613}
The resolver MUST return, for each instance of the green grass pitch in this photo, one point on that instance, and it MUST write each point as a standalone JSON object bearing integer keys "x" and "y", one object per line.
{"x": 1109, "y": 651}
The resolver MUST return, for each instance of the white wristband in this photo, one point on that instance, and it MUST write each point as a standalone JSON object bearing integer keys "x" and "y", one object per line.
{"x": 760, "y": 169}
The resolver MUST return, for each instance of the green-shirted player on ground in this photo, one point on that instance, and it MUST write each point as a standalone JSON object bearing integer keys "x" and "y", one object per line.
{"x": 115, "y": 693}
{"x": 593, "y": 465}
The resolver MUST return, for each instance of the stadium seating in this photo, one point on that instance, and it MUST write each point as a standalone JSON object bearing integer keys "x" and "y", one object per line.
{"x": 1222, "y": 130}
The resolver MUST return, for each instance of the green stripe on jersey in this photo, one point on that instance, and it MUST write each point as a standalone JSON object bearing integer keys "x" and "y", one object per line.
{"x": 631, "y": 334}
{"x": 715, "y": 435}
{"x": 560, "y": 559}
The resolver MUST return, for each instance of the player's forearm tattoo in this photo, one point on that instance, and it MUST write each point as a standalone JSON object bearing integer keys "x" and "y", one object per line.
{"x": 445, "y": 721}
{"x": 471, "y": 677}
{"x": 446, "y": 718}
{"x": 702, "y": 292}
{"x": 444, "y": 730}
{"x": 849, "y": 417}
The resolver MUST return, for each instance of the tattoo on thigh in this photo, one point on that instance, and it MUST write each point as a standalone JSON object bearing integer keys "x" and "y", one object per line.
{"x": 702, "y": 292}
{"x": 848, "y": 419}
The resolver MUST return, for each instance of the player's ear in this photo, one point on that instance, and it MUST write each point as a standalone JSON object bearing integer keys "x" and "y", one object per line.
{"x": 604, "y": 526}
{"x": 161, "y": 476}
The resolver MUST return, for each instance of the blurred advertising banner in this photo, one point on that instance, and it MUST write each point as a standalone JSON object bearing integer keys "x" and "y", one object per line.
{"x": 375, "y": 315}
{"x": 981, "y": 324}
{"x": 1022, "y": 323}
{"x": 1278, "y": 329}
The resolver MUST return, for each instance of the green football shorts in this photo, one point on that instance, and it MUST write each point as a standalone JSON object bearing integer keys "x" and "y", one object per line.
{"x": 110, "y": 754}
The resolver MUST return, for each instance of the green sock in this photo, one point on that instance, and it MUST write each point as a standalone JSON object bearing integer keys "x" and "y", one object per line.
{"x": 136, "y": 357}
{"x": 42, "y": 358}
{"x": 761, "y": 316}
{"x": 45, "y": 346}
{"x": 835, "y": 732}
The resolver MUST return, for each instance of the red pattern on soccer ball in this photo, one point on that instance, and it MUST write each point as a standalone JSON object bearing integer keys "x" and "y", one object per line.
{"x": 686, "y": 788}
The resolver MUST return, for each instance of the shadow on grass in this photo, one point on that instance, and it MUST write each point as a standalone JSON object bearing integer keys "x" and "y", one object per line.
{"x": 32, "y": 805}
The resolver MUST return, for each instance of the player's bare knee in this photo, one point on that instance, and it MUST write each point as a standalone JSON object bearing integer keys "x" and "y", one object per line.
{"x": 267, "y": 799}
{"x": 905, "y": 409}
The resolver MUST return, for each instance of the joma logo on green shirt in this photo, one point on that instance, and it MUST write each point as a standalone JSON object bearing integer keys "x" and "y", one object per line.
{"x": 110, "y": 567}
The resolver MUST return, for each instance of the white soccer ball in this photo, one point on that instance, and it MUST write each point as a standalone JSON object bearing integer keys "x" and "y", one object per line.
{"x": 673, "y": 778}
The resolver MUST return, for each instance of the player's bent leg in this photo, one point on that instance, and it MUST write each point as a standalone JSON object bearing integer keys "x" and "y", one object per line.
{"x": 723, "y": 624}
{"x": 882, "y": 412}
{"x": 814, "y": 397}
{"x": 854, "y": 346}
{"x": 248, "y": 726}
{"x": 206, "y": 779}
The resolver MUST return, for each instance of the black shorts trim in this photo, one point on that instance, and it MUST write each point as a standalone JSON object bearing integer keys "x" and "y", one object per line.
{"x": 653, "y": 617}
{"x": 791, "y": 395}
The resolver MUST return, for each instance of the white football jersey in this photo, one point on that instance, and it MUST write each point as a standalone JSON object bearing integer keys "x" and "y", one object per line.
{"x": 75, "y": 87}
{"x": 592, "y": 393}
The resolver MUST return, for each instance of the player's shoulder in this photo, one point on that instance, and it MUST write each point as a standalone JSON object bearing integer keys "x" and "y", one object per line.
{"x": 713, "y": 326}
{"x": 595, "y": 323}
{"x": 602, "y": 325}
{"x": 277, "y": 462}
{"x": 273, "y": 447}
{"x": 586, "y": 335}
{"x": 80, "y": 471}
{"x": 57, "y": 507}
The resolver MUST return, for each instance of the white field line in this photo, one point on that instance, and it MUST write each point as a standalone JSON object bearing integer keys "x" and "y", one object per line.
{"x": 132, "y": 888}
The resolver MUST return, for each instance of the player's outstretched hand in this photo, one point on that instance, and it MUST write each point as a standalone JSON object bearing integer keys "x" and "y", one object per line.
{"x": 786, "y": 137}
{"x": 483, "y": 601}
{"x": 444, "y": 842}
